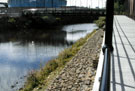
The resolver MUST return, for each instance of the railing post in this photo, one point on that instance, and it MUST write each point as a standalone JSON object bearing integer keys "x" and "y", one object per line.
{"x": 109, "y": 23}
{"x": 108, "y": 48}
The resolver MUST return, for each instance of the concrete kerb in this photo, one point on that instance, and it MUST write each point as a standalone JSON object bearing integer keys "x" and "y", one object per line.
{"x": 97, "y": 80}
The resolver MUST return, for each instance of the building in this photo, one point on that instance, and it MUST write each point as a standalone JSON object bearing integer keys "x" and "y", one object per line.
{"x": 37, "y": 3}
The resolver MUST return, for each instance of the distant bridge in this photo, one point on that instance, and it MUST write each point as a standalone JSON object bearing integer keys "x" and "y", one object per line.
{"x": 17, "y": 12}
{"x": 65, "y": 11}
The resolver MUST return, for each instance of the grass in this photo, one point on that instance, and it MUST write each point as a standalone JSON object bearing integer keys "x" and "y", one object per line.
{"x": 100, "y": 22}
{"x": 39, "y": 80}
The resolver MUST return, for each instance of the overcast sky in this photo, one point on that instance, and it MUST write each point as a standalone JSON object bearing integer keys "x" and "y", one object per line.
{"x": 88, "y": 3}
{"x": 3, "y": 0}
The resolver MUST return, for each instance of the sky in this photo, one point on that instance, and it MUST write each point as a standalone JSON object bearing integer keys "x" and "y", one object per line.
{"x": 3, "y": 0}
{"x": 85, "y": 3}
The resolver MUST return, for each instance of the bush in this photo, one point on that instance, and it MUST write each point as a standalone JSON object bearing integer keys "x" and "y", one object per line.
{"x": 49, "y": 67}
{"x": 11, "y": 20}
{"x": 100, "y": 22}
{"x": 119, "y": 8}
{"x": 49, "y": 19}
{"x": 32, "y": 81}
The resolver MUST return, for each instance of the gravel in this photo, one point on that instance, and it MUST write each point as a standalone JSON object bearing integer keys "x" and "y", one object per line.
{"x": 79, "y": 73}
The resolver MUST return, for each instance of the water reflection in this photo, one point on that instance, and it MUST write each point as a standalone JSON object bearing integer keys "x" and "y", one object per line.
{"x": 77, "y": 31}
{"x": 20, "y": 56}
{"x": 16, "y": 60}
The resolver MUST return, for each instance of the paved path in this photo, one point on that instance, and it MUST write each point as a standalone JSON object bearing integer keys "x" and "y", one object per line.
{"x": 123, "y": 57}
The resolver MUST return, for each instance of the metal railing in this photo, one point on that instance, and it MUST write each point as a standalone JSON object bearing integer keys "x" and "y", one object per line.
{"x": 108, "y": 48}
{"x": 105, "y": 82}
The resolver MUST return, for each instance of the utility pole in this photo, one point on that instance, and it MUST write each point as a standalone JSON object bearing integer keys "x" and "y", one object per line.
{"x": 91, "y": 3}
{"x": 98, "y": 4}
{"x": 87, "y": 4}
{"x": 75, "y": 5}
{"x": 80, "y": 3}
{"x": 102, "y": 3}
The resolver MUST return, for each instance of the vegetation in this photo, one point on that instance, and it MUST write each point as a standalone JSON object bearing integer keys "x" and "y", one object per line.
{"x": 21, "y": 24}
{"x": 100, "y": 22}
{"x": 38, "y": 80}
{"x": 26, "y": 22}
{"x": 119, "y": 7}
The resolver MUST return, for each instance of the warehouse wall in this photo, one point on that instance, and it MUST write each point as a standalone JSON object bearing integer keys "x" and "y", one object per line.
{"x": 37, "y": 3}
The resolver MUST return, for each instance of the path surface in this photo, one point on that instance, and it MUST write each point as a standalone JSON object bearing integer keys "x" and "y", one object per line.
{"x": 79, "y": 73}
{"x": 123, "y": 57}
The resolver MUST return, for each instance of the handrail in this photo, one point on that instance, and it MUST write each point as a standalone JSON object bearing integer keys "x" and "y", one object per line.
{"x": 108, "y": 48}
{"x": 105, "y": 83}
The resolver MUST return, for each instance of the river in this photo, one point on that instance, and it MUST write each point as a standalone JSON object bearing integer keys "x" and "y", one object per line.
{"x": 19, "y": 57}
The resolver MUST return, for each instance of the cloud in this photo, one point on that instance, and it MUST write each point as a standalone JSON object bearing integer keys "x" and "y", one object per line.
{"x": 3, "y": 0}
{"x": 87, "y": 3}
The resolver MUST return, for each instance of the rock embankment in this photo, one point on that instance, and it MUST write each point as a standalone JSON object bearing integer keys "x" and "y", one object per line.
{"x": 79, "y": 73}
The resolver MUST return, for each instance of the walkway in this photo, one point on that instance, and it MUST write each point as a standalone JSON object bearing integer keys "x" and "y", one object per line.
{"x": 123, "y": 57}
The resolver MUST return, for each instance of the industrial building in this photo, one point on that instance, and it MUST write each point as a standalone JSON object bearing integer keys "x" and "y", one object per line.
{"x": 37, "y": 3}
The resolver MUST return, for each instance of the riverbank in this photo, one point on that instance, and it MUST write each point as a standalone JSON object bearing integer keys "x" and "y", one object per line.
{"x": 39, "y": 80}
{"x": 80, "y": 72}
{"x": 43, "y": 77}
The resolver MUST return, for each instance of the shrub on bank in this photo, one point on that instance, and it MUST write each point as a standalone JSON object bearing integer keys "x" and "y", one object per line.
{"x": 33, "y": 80}
{"x": 100, "y": 22}
{"x": 11, "y": 20}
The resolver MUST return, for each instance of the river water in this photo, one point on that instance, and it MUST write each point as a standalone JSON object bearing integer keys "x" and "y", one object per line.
{"x": 18, "y": 58}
